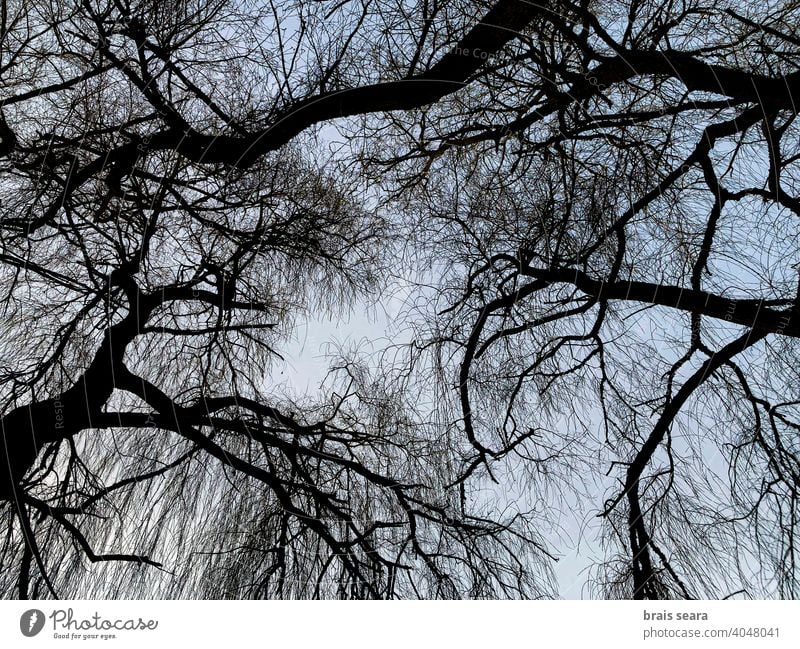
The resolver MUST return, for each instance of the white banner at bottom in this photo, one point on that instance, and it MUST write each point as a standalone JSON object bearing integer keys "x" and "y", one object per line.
{"x": 355, "y": 625}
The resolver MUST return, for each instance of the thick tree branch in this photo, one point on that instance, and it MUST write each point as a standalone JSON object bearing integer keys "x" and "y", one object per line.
{"x": 759, "y": 314}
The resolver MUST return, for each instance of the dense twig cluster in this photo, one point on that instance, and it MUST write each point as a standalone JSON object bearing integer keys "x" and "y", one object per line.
{"x": 602, "y": 193}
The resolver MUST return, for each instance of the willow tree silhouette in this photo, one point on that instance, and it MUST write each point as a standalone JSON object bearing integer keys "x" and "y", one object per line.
{"x": 164, "y": 225}
{"x": 603, "y": 195}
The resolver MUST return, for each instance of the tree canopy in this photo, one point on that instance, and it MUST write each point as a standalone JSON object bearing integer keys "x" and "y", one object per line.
{"x": 591, "y": 208}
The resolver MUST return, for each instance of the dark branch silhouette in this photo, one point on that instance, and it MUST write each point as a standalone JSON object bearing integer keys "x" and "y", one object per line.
{"x": 587, "y": 210}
